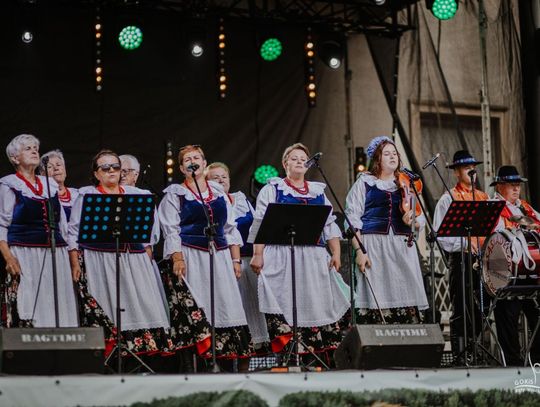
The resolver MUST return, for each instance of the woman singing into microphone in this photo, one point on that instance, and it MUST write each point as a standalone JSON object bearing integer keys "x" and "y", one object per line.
{"x": 375, "y": 208}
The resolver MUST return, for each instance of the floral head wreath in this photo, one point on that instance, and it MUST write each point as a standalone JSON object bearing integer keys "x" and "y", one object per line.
{"x": 376, "y": 142}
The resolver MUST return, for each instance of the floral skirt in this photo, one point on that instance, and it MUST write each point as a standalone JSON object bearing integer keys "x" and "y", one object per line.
{"x": 9, "y": 316}
{"x": 316, "y": 338}
{"x": 403, "y": 315}
{"x": 146, "y": 341}
{"x": 190, "y": 327}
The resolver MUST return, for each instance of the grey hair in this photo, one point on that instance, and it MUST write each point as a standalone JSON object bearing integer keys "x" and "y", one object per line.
{"x": 133, "y": 160}
{"x": 50, "y": 154}
{"x": 14, "y": 147}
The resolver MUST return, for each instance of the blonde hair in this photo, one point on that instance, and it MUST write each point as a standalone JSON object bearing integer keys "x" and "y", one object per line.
{"x": 295, "y": 146}
{"x": 218, "y": 164}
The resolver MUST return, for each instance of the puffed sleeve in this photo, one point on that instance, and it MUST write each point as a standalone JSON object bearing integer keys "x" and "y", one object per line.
{"x": 169, "y": 219}
{"x": 232, "y": 235}
{"x": 7, "y": 203}
{"x": 355, "y": 203}
{"x": 74, "y": 223}
{"x": 331, "y": 229}
{"x": 449, "y": 244}
{"x": 266, "y": 195}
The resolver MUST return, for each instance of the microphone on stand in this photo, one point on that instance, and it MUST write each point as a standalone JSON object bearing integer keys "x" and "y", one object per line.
{"x": 471, "y": 174}
{"x": 431, "y": 161}
{"x": 309, "y": 163}
{"x": 413, "y": 176}
{"x": 193, "y": 167}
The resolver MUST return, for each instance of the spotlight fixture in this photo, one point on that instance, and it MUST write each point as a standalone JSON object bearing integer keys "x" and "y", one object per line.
{"x": 271, "y": 49}
{"x": 259, "y": 177}
{"x": 442, "y": 9}
{"x": 130, "y": 37}
{"x": 331, "y": 53}
{"x": 221, "y": 71}
{"x": 27, "y": 37}
{"x": 169, "y": 163}
{"x": 197, "y": 50}
{"x": 309, "y": 63}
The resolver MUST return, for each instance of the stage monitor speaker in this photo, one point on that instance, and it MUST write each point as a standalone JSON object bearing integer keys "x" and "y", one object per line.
{"x": 386, "y": 346}
{"x": 51, "y": 351}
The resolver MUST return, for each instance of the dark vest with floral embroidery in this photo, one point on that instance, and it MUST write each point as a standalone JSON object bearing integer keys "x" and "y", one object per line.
{"x": 382, "y": 211}
{"x": 193, "y": 222}
{"x": 29, "y": 225}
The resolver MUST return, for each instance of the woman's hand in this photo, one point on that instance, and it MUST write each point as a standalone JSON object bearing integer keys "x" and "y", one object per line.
{"x": 407, "y": 218}
{"x": 12, "y": 266}
{"x": 179, "y": 265}
{"x": 257, "y": 263}
{"x": 335, "y": 262}
{"x": 237, "y": 269}
{"x": 362, "y": 260}
{"x": 75, "y": 265}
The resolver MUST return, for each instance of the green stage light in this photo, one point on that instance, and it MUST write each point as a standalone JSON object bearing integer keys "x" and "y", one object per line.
{"x": 271, "y": 49}
{"x": 444, "y": 9}
{"x": 263, "y": 172}
{"x": 130, "y": 37}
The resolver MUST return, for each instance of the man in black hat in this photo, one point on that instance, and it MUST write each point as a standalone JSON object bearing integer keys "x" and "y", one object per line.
{"x": 464, "y": 166}
{"x": 508, "y": 188}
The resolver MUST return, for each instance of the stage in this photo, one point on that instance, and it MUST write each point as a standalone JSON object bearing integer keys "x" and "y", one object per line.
{"x": 92, "y": 390}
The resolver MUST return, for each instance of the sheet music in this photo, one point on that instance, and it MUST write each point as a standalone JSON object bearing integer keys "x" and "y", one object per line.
{"x": 254, "y": 230}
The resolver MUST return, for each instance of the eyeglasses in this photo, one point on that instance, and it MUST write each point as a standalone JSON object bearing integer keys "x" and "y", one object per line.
{"x": 126, "y": 171}
{"x": 108, "y": 167}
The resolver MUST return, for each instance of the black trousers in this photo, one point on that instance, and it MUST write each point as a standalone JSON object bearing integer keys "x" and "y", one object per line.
{"x": 507, "y": 314}
{"x": 456, "y": 298}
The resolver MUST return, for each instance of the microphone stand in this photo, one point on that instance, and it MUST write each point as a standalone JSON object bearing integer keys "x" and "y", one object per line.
{"x": 355, "y": 236}
{"x": 52, "y": 238}
{"x": 210, "y": 232}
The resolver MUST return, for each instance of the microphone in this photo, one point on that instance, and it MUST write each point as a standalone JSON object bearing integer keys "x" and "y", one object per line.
{"x": 193, "y": 167}
{"x": 45, "y": 160}
{"x": 471, "y": 173}
{"x": 431, "y": 161}
{"x": 309, "y": 163}
{"x": 410, "y": 174}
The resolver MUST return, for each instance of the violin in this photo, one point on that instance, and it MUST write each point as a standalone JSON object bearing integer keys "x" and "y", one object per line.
{"x": 409, "y": 200}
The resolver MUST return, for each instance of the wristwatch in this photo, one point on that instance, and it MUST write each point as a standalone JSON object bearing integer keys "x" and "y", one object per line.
{"x": 239, "y": 261}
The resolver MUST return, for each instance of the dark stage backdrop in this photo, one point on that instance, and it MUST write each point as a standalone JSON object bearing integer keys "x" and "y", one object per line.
{"x": 156, "y": 93}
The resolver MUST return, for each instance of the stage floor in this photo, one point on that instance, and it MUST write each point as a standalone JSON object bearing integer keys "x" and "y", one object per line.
{"x": 114, "y": 390}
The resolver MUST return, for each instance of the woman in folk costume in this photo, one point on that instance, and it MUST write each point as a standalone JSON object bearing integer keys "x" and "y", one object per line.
{"x": 54, "y": 164}
{"x": 183, "y": 222}
{"x": 243, "y": 216}
{"x": 25, "y": 243}
{"x": 145, "y": 320}
{"x": 374, "y": 209}
{"x": 321, "y": 304}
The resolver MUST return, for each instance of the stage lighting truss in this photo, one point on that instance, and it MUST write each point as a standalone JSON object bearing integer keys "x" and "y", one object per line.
{"x": 169, "y": 163}
{"x": 271, "y": 49}
{"x": 221, "y": 69}
{"x": 130, "y": 37}
{"x": 98, "y": 38}
{"x": 309, "y": 54}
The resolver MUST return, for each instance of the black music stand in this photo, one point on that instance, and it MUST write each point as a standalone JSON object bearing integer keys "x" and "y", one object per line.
{"x": 470, "y": 219}
{"x": 293, "y": 224}
{"x": 118, "y": 219}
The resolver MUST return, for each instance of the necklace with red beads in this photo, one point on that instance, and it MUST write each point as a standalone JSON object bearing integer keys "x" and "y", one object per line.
{"x": 37, "y": 190}
{"x": 301, "y": 191}
{"x": 105, "y": 192}
{"x": 66, "y": 196}
{"x": 210, "y": 196}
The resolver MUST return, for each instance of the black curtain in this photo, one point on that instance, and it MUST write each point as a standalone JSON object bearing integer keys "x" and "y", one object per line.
{"x": 156, "y": 93}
